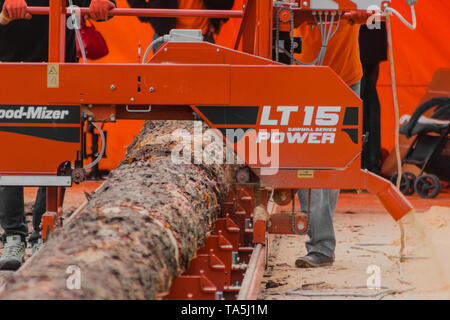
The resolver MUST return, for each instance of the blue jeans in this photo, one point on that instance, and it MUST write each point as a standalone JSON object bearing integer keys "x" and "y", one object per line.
{"x": 12, "y": 213}
{"x": 323, "y": 204}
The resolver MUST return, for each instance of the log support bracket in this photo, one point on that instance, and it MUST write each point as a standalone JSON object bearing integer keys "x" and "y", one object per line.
{"x": 219, "y": 269}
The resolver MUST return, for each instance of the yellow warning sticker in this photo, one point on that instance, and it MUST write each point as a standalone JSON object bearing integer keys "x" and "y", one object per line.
{"x": 53, "y": 76}
{"x": 302, "y": 174}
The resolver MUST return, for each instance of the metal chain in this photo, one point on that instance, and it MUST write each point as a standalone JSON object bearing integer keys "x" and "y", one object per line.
{"x": 277, "y": 34}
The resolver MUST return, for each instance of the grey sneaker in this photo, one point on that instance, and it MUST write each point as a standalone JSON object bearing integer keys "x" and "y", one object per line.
{"x": 13, "y": 253}
{"x": 313, "y": 260}
{"x": 35, "y": 246}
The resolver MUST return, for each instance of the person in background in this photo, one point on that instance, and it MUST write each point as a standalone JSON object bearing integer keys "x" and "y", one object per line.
{"x": 373, "y": 50}
{"x": 162, "y": 26}
{"x": 24, "y": 38}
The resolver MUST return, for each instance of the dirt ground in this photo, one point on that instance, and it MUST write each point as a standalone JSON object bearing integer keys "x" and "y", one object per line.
{"x": 368, "y": 243}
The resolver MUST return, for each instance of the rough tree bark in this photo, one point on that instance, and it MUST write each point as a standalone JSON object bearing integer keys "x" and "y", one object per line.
{"x": 135, "y": 235}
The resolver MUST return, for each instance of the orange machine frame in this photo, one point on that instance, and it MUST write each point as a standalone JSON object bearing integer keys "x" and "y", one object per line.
{"x": 177, "y": 81}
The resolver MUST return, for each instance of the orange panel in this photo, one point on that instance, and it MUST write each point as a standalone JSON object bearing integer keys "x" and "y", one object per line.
{"x": 91, "y": 84}
{"x": 120, "y": 135}
{"x": 28, "y": 154}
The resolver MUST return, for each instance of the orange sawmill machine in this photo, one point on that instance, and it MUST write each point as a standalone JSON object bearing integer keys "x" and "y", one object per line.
{"x": 294, "y": 126}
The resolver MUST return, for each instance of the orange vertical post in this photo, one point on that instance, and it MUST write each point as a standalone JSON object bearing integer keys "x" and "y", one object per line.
{"x": 257, "y": 35}
{"x": 52, "y": 199}
{"x": 264, "y": 24}
{"x": 49, "y": 219}
{"x": 57, "y": 31}
{"x": 249, "y": 32}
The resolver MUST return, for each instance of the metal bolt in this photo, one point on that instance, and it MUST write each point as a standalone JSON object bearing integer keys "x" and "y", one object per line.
{"x": 152, "y": 89}
{"x": 132, "y": 99}
{"x": 218, "y": 50}
{"x": 165, "y": 49}
{"x": 112, "y": 118}
{"x": 305, "y": 3}
{"x": 113, "y": 87}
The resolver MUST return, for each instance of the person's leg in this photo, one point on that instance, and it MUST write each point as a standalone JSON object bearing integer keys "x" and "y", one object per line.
{"x": 322, "y": 240}
{"x": 356, "y": 88}
{"x": 13, "y": 222}
{"x": 375, "y": 123}
{"x": 40, "y": 206}
{"x": 12, "y": 214}
{"x": 321, "y": 231}
{"x": 209, "y": 37}
{"x": 366, "y": 117}
{"x": 371, "y": 153}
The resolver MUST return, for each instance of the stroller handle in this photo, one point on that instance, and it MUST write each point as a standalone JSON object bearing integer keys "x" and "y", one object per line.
{"x": 424, "y": 107}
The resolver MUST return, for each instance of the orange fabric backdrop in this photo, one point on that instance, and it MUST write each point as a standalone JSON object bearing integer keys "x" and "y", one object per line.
{"x": 418, "y": 54}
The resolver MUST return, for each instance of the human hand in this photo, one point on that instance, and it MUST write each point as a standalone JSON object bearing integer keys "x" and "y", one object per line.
{"x": 99, "y": 9}
{"x": 14, "y": 9}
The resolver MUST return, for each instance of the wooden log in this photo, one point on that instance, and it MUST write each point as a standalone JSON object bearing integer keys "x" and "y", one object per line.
{"x": 138, "y": 233}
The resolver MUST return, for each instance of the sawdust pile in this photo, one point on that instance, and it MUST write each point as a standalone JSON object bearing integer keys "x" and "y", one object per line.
{"x": 428, "y": 235}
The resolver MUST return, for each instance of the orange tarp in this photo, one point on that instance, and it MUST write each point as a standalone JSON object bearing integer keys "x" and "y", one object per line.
{"x": 418, "y": 54}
